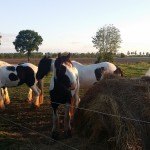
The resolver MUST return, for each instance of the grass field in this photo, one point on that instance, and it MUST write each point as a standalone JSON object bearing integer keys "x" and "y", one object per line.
{"x": 19, "y": 124}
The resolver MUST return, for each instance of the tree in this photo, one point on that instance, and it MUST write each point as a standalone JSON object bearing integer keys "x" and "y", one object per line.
{"x": 27, "y": 41}
{"x": 122, "y": 55}
{"x": 107, "y": 40}
{"x": 147, "y": 53}
{"x": 128, "y": 53}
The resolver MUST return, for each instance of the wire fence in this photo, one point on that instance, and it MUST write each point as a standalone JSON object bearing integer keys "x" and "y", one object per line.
{"x": 43, "y": 135}
{"x": 62, "y": 143}
{"x": 20, "y": 96}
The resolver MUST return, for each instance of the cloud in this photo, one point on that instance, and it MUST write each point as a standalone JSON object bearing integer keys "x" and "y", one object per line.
{"x": 75, "y": 42}
{"x": 7, "y": 38}
{"x": 7, "y": 43}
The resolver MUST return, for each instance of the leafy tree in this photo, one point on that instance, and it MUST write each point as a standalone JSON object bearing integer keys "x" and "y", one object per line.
{"x": 105, "y": 57}
{"x": 122, "y": 55}
{"x": 107, "y": 40}
{"x": 128, "y": 53}
{"x": 147, "y": 53}
{"x": 27, "y": 41}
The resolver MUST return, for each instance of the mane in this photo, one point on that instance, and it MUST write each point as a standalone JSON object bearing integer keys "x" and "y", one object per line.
{"x": 62, "y": 59}
{"x": 73, "y": 61}
{"x": 45, "y": 58}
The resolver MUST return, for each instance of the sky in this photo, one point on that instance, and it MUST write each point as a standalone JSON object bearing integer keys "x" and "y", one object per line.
{"x": 69, "y": 25}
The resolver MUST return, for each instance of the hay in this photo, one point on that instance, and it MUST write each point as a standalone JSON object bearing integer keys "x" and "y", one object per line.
{"x": 121, "y": 97}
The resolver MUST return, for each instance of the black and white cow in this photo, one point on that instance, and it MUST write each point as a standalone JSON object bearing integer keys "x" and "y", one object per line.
{"x": 16, "y": 75}
{"x": 64, "y": 88}
{"x": 4, "y": 90}
{"x": 88, "y": 74}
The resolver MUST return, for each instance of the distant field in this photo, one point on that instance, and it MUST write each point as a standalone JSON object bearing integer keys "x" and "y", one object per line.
{"x": 85, "y": 60}
{"x": 24, "y": 128}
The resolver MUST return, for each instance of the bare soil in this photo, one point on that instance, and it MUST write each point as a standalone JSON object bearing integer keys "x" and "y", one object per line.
{"x": 22, "y": 128}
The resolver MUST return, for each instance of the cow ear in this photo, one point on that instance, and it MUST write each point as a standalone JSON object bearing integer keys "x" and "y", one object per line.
{"x": 68, "y": 56}
{"x": 59, "y": 55}
{"x": 47, "y": 55}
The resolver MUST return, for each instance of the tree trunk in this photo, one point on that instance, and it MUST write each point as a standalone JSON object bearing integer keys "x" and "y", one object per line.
{"x": 29, "y": 56}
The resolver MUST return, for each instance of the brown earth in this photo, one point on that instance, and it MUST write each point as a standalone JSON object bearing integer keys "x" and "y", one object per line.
{"x": 83, "y": 60}
{"x": 22, "y": 128}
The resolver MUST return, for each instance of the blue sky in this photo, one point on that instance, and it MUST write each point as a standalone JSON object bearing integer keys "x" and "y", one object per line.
{"x": 69, "y": 25}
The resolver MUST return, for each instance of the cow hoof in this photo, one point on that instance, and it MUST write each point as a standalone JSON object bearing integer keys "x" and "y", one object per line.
{"x": 2, "y": 109}
{"x": 33, "y": 106}
{"x": 29, "y": 101}
{"x": 2, "y": 106}
{"x": 7, "y": 103}
{"x": 67, "y": 134}
{"x": 55, "y": 135}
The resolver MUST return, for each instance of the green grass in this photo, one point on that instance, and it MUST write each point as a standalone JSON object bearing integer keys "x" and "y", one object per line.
{"x": 18, "y": 96}
{"x": 131, "y": 70}
{"x": 135, "y": 69}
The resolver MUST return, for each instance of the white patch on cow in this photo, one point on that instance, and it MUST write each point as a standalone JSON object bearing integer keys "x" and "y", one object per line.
{"x": 87, "y": 72}
{"x": 148, "y": 73}
{"x": 51, "y": 84}
{"x": 72, "y": 74}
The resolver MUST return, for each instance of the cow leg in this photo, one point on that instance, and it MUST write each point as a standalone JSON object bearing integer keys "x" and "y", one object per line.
{"x": 2, "y": 105}
{"x": 55, "y": 129}
{"x": 76, "y": 100}
{"x": 74, "y": 103}
{"x": 71, "y": 112}
{"x": 40, "y": 86}
{"x": 40, "y": 97}
{"x": 30, "y": 95}
{"x": 67, "y": 126}
{"x": 6, "y": 97}
{"x": 35, "y": 100}
{"x": 76, "y": 96}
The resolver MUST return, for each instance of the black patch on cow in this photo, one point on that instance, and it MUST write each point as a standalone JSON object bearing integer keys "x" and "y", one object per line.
{"x": 44, "y": 67}
{"x": 10, "y": 68}
{"x": 60, "y": 71}
{"x": 26, "y": 75}
{"x": 98, "y": 73}
{"x": 59, "y": 95}
{"x": 13, "y": 77}
{"x": 118, "y": 71}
